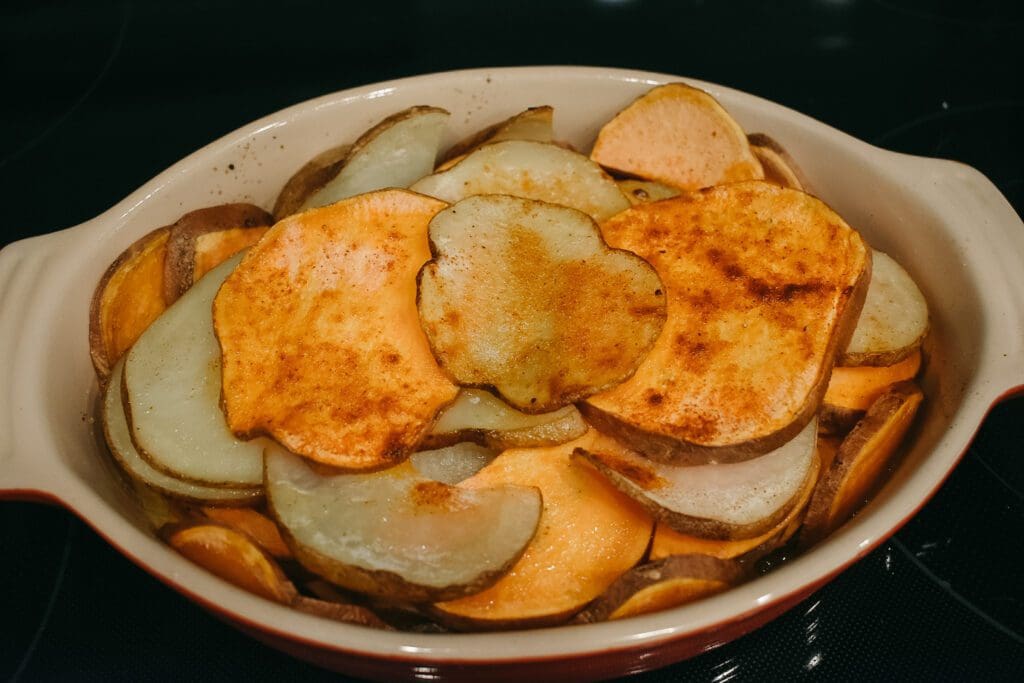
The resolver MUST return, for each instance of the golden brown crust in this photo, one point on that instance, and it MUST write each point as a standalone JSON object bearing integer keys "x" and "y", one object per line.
{"x": 313, "y": 175}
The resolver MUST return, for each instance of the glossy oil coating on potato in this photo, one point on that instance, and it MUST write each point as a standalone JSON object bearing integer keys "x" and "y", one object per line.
{"x": 322, "y": 346}
{"x": 764, "y": 284}
{"x": 525, "y": 297}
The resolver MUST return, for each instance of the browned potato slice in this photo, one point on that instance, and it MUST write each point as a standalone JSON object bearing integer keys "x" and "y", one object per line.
{"x": 679, "y": 136}
{"x": 129, "y": 296}
{"x": 719, "y": 501}
{"x": 480, "y": 416}
{"x": 764, "y": 285}
{"x": 852, "y": 390}
{"x": 202, "y": 239}
{"x": 779, "y": 168}
{"x": 646, "y": 191}
{"x": 894, "y": 321}
{"x": 257, "y": 526}
{"x": 234, "y": 557}
{"x": 394, "y": 153}
{"x": 532, "y": 170}
{"x": 395, "y": 533}
{"x": 860, "y": 461}
{"x": 664, "y": 584}
{"x": 322, "y": 345}
{"x": 525, "y": 297}
{"x": 308, "y": 179}
{"x": 589, "y": 534}
{"x": 534, "y": 124}
{"x": 340, "y": 611}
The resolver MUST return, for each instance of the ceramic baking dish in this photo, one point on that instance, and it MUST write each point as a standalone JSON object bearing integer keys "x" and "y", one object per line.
{"x": 945, "y": 222}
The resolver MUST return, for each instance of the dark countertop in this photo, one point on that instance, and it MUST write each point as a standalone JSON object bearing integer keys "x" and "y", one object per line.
{"x": 101, "y": 96}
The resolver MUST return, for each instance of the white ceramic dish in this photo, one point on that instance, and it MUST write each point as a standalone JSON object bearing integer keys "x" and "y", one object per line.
{"x": 944, "y": 221}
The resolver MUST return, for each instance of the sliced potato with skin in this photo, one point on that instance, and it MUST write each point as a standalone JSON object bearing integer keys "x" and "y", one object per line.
{"x": 480, "y": 416}
{"x": 852, "y": 390}
{"x": 717, "y": 501}
{"x": 525, "y": 297}
{"x": 202, "y": 239}
{"x": 313, "y": 175}
{"x": 322, "y": 345}
{"x": 667, "y": 583}
{"x": 129, "y": 297}
{"x": 646, "y": 191}
{"x": 171, "y": 389}
{"x": 115, "y": 429}
{"x": 677, "y": 135}
{"x": 764, "y": 285}
{"x": 860, "y": 461}
{"x": 452, "y": 464}
{"x": 395, "y": 533}
{"x": 233, "y": 556}
{"x": 534, "y": 124}
{"x": 339, "y": 611}
{"x": 779, "y": 168}
{"x": 894, "y": 321}
{"x": 531, "y": 170}
{"x": 394, "y": 153}
{"x": 589, "y": 534}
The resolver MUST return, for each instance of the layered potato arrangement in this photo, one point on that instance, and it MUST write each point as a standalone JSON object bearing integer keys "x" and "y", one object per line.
{"x": 510, "y": 384}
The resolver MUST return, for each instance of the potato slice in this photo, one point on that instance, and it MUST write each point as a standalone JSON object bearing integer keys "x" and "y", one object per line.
{"x": 862, "y": 457}
{"x": 646, "y": 191}
{"x": 339, "y": 611}
{"x": 115, "y": 429}
{"x": 395, "y": 533}
{"x": 667, "y": 541}
{"x": 257, "y": 526}
{"x": 852, "y": 390}
{"x": 894, "y": 321}
{"x": 321, "y": 342}
{"x": 764, "y": 285}
{"x": 525, "y": 297}
{"x": 394, "y": 153}
{"x": 664, "y": 584}
{"x": 308, "y": 179}
{"x": 779, "y": 168}
{"x": 129, "y": 297}
{"x": 202, "y": 239}
{"x": 718, "y": 501}
{"x": 452, "y": 464}
{"x": 171, "y": 379}
{"x": 480, "y": 416}
{"x": 534, "y": 124}
{"x": 679, "y": 136}
{"x": 531, "y": 170}
{"x": 232, "y": 556}
{"x": 589, "y": 534}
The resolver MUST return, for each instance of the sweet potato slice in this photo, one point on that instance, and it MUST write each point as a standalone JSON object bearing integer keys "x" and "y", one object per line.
{"x": 894, "y": 321}
{"x": 862, "y": 457}
{"x": 129, "y": 297}
{"x": 660, "y": 585}
{"x": 679, "y": 136}
{"x": 764, "y": 285}
{"x": 852, "y": 390}
{"x": 322, "y": 345}
{"x": 254, "y": 524}
{"x": 719, "y": 501}
{"x": 480, "y": 416}
{"x": 646, "y": 191}
{"x": 589, "y": 534}
{"x": 202, "y": 239}
{"x": 313, "y": 175}
{"x": 779, "y": 168}
{"x": 534, "y": 124}
{"x": 394, "y": 153}
{"x": 234, "y": 557}
{"x": 531, "y": 170}
{"x": 395, "y": 533}
{"x": 525, "y": 297}
{"x": 667, "y": 541}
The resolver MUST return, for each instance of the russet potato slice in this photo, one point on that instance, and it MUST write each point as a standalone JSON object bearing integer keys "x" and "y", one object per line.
{"x": 531, "y": 170}
{"x": 452, "y": 464}
{"x": 313, "y": 175}
{"x": 679, "y": 136}
{"x": 396, "y": 152}
{"x": 717, "y": 501}
{"x": 525, "y": 297}
{"x": 171, "y": 392}
{"x": 590, "y": 533}
{"x": 395, "y": 533}
{"x": 534, "y": 124}
{"x": 764, "y": 285}
{"x": 322, "y": 345}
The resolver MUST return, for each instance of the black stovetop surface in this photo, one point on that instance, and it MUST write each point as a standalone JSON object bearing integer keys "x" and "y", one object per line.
{"x": 100, "y": 96}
